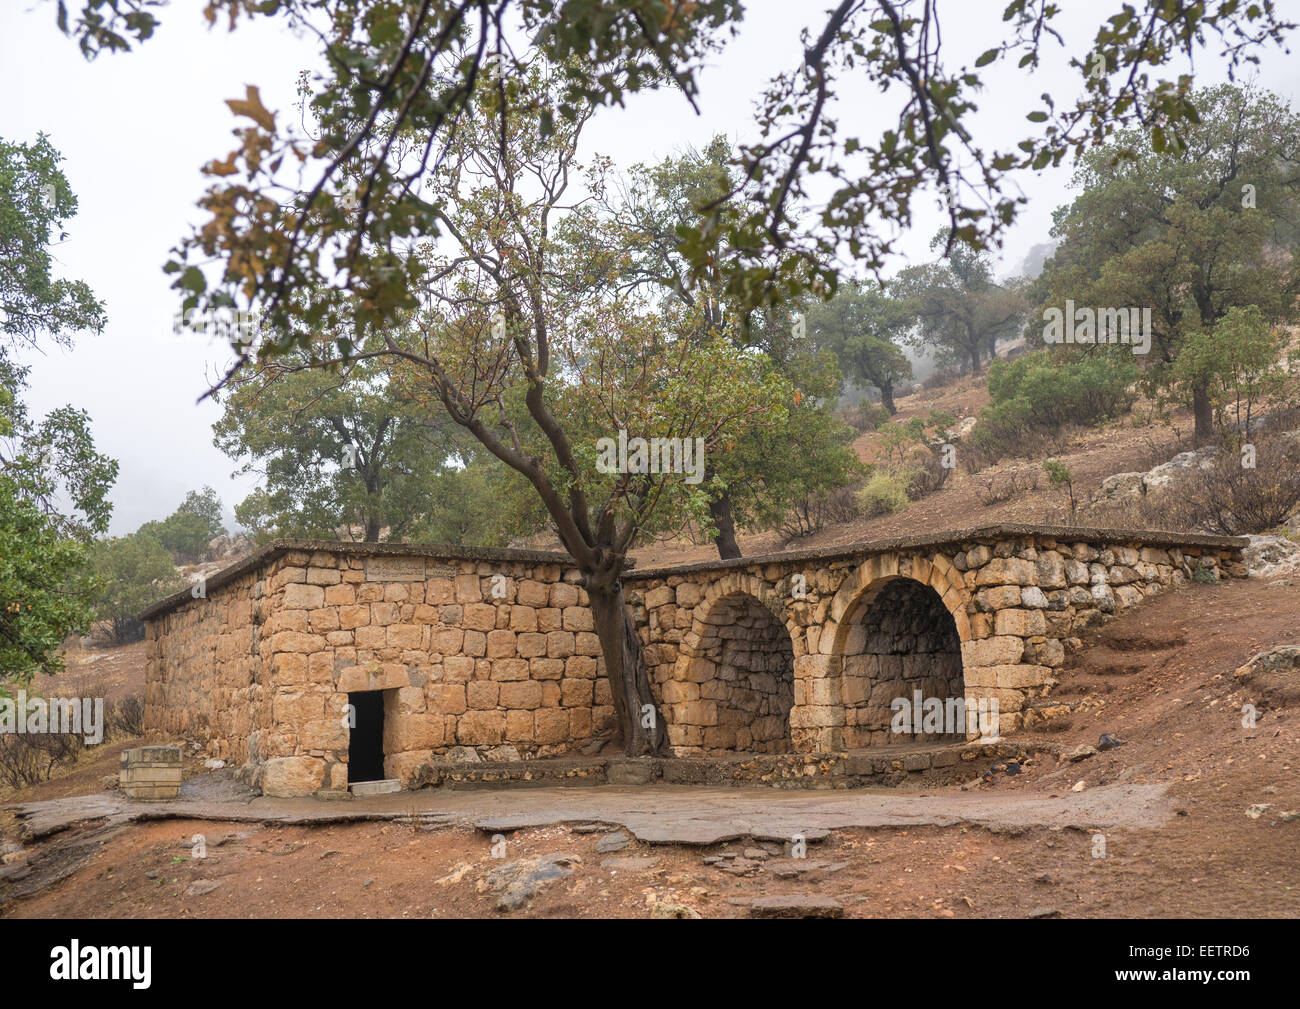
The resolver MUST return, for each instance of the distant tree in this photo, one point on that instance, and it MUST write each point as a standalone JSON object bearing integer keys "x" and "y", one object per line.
{"x": 53, "y": 484}
{"x": 131, "y": 572}
{"x": 187, "y": 531}
{"x": 480, "y": 504}
{"x": 336, "y": 450}
{"x": 863, "y": 327}
{"x": 1240, "y": 363}
{"x": 1189, "y": 233}
{"x": 958, "y": 309}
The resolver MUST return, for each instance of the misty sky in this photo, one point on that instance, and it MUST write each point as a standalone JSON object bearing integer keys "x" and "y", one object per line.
{"x": 136, "y": 128}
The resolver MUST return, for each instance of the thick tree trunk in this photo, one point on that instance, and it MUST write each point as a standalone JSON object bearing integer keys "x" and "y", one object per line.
{"x": 725, "y": 540}
{"x": 372, "y": 529}
{"x": 1203, "y": 410}
{"x": 638, "y": 716}
{"x": 887, "y": 398}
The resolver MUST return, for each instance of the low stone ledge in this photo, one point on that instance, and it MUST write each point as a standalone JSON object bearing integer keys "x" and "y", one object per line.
{"x": 886, "y": 767}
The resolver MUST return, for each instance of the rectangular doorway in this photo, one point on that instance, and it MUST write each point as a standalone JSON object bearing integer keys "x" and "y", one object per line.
{"x": 366, "y": 741}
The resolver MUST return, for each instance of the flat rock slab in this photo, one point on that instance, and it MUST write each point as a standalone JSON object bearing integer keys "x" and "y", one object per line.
{"x": 656, "y": 814}
{"x": 386, "y": 787}
{"x": 515, "y": 883}
{"x": 201, "y": 886}
{"x": 793, "y": 868}
{"x": 795, "y": 905}
{"x": 630, "y": 863}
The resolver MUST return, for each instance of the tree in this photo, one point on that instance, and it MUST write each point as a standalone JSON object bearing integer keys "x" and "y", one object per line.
{"x": 35, "y": 203}
{"x": 131, "y": 572}
{"x": 756, "y": 480}
{"x": 957, "y": 307}
{"x": 553, "y": 373}
{"x": 1189, "y": 234}
{"x": 337, "y": 451}
{"x": 400, "y": 78}
{"x": 480, "y": 504}
{"x": 863, "y": 326}
{"x": 187, "y": 531}
{"x": 53, "y": 484}
{"x": 1239, "y": 363}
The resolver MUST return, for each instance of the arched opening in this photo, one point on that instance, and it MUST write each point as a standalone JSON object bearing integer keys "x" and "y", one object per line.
{"x": 739, "y": 685}
{"x": 902, "y": 672}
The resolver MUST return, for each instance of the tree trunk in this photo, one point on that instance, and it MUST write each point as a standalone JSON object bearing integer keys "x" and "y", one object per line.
{"x": 1203, "y": 410}
{"x": 629, "y": 679}
{"x": 725, "y": 540}
{"x": 372, "y": 528}
{"x": 887, "y": 398}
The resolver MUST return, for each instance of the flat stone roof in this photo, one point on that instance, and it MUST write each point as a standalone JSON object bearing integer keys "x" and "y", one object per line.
{"x": 951, "y": 537}
{"x": 277, "y": 548}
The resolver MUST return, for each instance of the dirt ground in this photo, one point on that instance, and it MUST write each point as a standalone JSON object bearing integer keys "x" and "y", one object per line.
{"x": 1159, "y": 678}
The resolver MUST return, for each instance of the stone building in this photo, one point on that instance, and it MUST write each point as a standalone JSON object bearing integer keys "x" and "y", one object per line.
{"x": 316, "y": 665}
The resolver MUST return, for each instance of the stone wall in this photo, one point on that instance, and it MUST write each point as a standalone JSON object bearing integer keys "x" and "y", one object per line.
{"x": 491, "y": 655}
{"x": 204, "y": 677}
{"x": 745, "y": 700}
{"x": 495, "y": 656}
{"x": 1016, "y": 598}
{"x": 900, "y": 641}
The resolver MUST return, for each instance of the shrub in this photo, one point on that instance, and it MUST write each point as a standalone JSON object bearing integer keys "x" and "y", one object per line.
{"x": 941, "y": 377}
{"x": 29, "y": 758}
{"x": 1225, "y": 497}
{"x": 814, "y": 511}
{"x": 1236, "y": 500}
{"x": 126, "y": 717}
{"x": 928, "y": 473}
{"x": 866, "y": 416}
{"x": 885, "y": 492}
{"x": 1038, "y": 394}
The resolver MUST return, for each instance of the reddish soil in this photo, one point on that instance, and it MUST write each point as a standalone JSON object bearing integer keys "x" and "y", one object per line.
{"x": 110, "y": 673}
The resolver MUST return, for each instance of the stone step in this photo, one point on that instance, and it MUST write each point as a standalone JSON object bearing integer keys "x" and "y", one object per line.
{"x": 375, "y": 787}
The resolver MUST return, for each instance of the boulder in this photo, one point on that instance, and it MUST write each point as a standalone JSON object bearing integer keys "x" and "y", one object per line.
{"x": 1119, "y": 487}
{"x": 285, "y": 777}
{"x": 1269, "y": 555}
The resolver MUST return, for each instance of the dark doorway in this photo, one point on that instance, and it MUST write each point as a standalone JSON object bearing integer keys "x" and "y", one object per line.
{"x": 366, "y": 745}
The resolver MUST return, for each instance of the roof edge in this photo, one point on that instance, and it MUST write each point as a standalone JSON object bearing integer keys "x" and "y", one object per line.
{"x": 1147, "y": 537}
{"x": 277, "y": 548}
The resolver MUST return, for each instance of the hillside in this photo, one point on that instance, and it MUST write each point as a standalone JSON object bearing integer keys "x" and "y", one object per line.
{"x": 1024, "y": 493}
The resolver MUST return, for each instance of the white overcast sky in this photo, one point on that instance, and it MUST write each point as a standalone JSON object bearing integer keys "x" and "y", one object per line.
{"x": 136, "y": 128}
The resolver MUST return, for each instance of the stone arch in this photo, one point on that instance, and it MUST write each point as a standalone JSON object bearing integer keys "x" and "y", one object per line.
{"x": 835, "y": 679}
{"x": 900, "y": 646}
{"x": 733, "y": 685}
{"x": 870, "y": 577}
